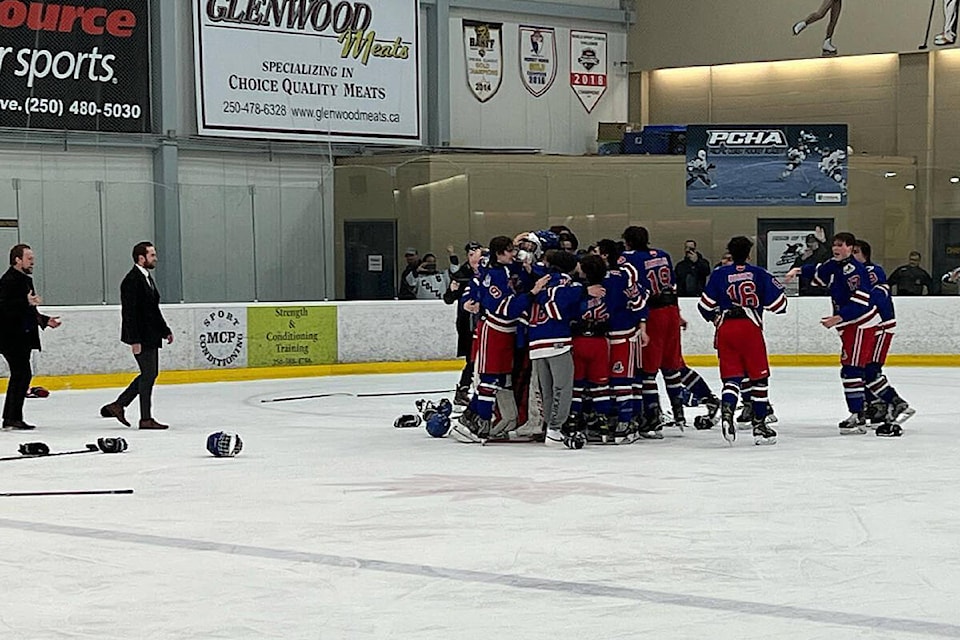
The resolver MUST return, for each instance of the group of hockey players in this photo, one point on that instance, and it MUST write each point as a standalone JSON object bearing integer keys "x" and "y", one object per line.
{"x": 567, "y": 349}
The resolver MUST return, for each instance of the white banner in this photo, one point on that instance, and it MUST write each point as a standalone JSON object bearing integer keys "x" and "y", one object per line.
{"x": 588, "y": 66}
{"x": 308, "y": 70}
{"x": 483, "y": 52}
{"x": 538, "y": 58}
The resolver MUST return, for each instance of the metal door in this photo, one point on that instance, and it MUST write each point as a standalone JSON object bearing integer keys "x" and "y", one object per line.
{"x": 946, "y": 251}
{"x": 371, "y": 259}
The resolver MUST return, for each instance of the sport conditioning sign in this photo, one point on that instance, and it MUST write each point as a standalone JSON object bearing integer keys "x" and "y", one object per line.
{"x": 77, "y": 64}
{"x": 323, "y": 70}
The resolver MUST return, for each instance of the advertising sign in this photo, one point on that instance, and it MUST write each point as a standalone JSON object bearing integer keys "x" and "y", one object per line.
{"x": 221, "y": 337}
{"x": 322, "y": 70}
{"x": 79, "y": 65}
{"x": 292, "y": 336}
{"x": 766, "y": 165}
{"x": 538, "y": 59}
{"x": 483, "y": 53}
{"x": 588, "y": 66}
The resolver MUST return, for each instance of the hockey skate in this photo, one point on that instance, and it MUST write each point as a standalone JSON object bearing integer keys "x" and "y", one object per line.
{"x": 462, "y": 396}
{"x": 943, "y": 39}
{"x": 889, "y": 430}
{"x": 727, "y": 429}
{"x": 828, "y": 50}
{"x": 471, "y": 428}
{"x": 762, "y": 434}
{"x": 678, "y": 419}
{"x": 746, "y": 415}
{"x": 854, "y": 425}
{"x": 901, "y": 412}
{"x": 877, "y": 413}
{"x": 712, "y": 403}
{"x": 650, "y": 427}
{"x": 574, "y": 432}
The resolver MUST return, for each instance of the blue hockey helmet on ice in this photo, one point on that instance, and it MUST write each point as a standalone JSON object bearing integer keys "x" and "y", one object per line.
{"x": 438, "y": 425}
{"x": 224, "y": 444}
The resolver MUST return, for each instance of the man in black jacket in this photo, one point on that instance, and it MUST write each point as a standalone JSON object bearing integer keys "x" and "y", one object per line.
{"x": 466, "y": 321}
{"x": 20, "y": 321}
{"x": 144, "y": 329}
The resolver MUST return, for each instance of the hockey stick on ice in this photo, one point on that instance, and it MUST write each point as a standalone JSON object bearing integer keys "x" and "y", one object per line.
{"x": 926, "y": 34}
{"x": 359, "y": 395}
{"x": 91, "y": 448}
{"x": 65, "y": 493}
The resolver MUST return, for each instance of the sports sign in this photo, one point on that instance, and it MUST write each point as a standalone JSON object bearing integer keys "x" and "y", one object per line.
{"x": 77, "y": 64}
{"x": 483, "y": 53}
{"x": 538, "y": 59}
{"x": 588, "y": 66}
{"x": 766, "y": 165}
{"x": 324, "y": 70}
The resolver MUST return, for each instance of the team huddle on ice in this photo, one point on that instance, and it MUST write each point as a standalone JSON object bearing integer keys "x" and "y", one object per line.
{"x": 568, "y": 350}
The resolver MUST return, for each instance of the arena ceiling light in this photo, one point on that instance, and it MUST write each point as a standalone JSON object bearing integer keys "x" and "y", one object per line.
{"x": 910, "y": 186}
{"x": 890, "y": 174}
{"x": 954, "y": 179}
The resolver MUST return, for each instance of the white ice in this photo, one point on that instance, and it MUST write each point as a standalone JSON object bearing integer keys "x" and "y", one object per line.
{"x": 333, "y": 524}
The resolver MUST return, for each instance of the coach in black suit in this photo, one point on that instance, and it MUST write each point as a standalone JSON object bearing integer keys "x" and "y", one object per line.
{"x": 144, "y": 329}
{"x": 20, "y": 323}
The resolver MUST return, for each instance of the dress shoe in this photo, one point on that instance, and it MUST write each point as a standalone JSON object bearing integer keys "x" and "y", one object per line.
{"x": 150, "y": 423}
{"x": 17, "y": 425}
{"x": 114, "y": 410}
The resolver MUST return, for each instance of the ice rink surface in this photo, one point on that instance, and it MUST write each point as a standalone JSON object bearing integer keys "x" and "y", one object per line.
{"x": 333, "y": 524}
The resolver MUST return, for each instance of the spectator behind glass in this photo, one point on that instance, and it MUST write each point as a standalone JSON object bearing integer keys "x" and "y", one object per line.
{"x": 426, "y": 282}
{"x": 816, "y": 252}
{"x": 406, "y": 292}
{"x": 466, "y": 321}
{"x": 910, "y": 279}
{"x": 692, "y": 271}
{"x": 951, "y": 277}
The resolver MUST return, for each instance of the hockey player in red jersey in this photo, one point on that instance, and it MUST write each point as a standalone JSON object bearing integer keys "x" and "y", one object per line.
{"x": 854, "y": 317}
{"x": 734, "y": 300}
{"x": 653, "y": 270}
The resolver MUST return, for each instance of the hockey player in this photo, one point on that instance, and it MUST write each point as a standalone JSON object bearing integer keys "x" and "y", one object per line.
{"x": 854, "y": 317}
{"x": 949, "y": 34}
{"x": 625, "y": 310}
{"x": 795, "y": 157}
{"x": 557, "y": 303}
{"x": 734, "y": 300}
{"x": 698, "y": 169}
{"x": 832, "y": 167}
{"x": 502, "y": 302}
{"x": 887, "y": 407}
{"x": 653, "y": 269}
{"x": 834, "y": 7}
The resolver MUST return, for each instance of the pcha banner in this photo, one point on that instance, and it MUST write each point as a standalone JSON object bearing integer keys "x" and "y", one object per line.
{"x": 483, "y": 52}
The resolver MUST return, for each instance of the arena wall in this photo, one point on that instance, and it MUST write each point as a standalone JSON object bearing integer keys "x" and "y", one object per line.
{"x": 253, "y": 341}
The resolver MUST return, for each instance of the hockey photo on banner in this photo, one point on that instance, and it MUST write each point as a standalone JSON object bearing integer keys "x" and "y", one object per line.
{"x": 766, "y": 165}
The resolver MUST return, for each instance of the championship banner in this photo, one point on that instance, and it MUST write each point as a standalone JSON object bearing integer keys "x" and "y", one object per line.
{"x": 766, "y": 165}
{"x": 538, "y": 59}
{"x": 483, "y": 52}
{"x": 588, "y": 66}
{"x": 317, "y": 71}
{"x": 79, "y": 65}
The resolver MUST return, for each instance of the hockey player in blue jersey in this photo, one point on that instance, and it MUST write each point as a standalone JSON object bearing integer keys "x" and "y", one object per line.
{"x": 555, "y": 307}
{"x": 887, "y": 408}
{"x": 734, "y": 300}
{"x": 854, "y": 317}
{"x": 502, "y": 302}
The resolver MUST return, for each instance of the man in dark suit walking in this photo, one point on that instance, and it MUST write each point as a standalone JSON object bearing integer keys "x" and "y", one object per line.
{"x": 144, "y": 329}
{"x": 20, "y": 321}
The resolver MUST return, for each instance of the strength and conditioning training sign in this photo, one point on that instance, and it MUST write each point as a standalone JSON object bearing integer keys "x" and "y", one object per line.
{"x": 323, "y": 70}
{"x": 77, "y": 64}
